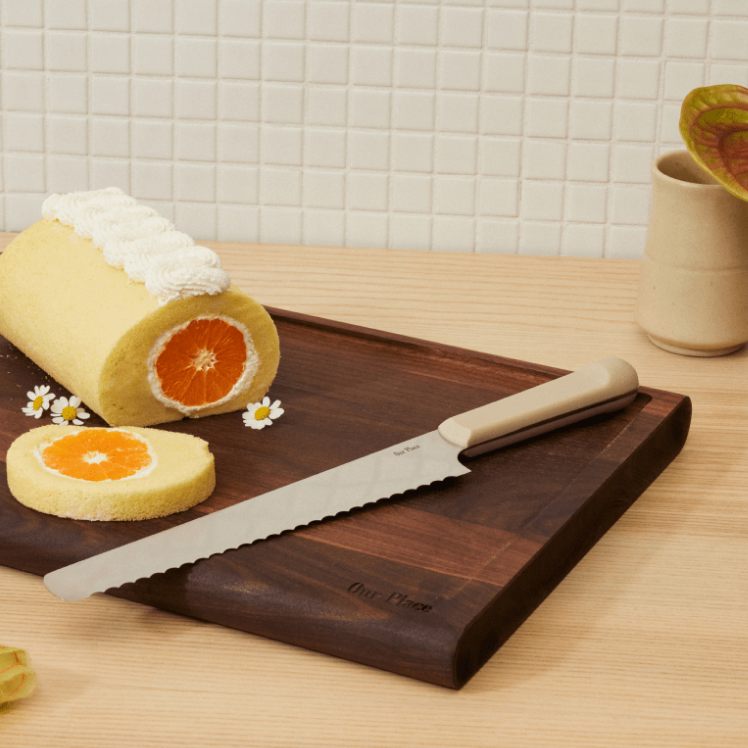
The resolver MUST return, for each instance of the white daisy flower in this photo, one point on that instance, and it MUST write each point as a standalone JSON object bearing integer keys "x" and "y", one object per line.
{"x": 262, "y": 414}
{"x": 66, "y": 411}
{"x": 39, "y": 401}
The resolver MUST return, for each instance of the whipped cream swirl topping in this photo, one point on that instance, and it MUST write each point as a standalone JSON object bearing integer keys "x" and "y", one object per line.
{"x": 138, "y": 240}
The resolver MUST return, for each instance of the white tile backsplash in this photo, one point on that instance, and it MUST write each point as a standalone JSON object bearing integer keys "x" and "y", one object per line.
{"x": 151, "y": 16}
{"x": 370, "y": 108}
{"x": 283, "y": 19}
{"x": 366, "y": 229}
{"x": 23, "y": 50}
{"x": 687, "y": 37}
{"x": 110, "y": 53}
{"x": 240, "y": 58}
{"x": 462, "y": 27}
{"x": 327, "y": 106}
{"x": 328, "y": 21}
{"x": 547, "y": 117}
{"x": 542, "y": 200}
{"x": 500, "y": 157}
{"x": 283, "y": 61}
{"x": 150, "y": 138}
{"x": 110, "y": 137}
{"x": 153, "y": 180}
{"x": 371, "y": 65}
{"x": 410, "y": 232}
{"x": 373, "y": 22}
{"x": 108, "y": 15}
{"x": 238, "y": 143}
{"x": 325, "y": 148}
{"x": 456, "y": 154}
{"x": 65, "y": 14}
{"x": 507, "y": 29}
{"x": 327, "y": 63}
{"x": 368, "y": 150}
{"x": 411, "y": 194}
{"x": 588, "y": 162}
{"x": 586, "y": 203}
{"x": 541, "y": 159}
{"x": 596, "y": 34}
{"x": 242, "y": 18}
{"x": 582, "y": 240}
{"x": 24, "y": 132}
{"x": 195, "y": 16}
{"x": 368, "y": 191}
{"x": 66, "y": 51}
{"x": 454, "y": 196}
{"x": 195, "y": 141}
{"x": 69, "y": 135}
{"x": 591, "y": 119}
{"x": 552, "y": 32}
{"x": 418, "y": 24}
{"x": 549, "y": 74}
{"x": 593, "y": 77}
{"x": 280, "y": 186}
{"x": 196, "y": 57}
{"x": 453, "y": 234}
{"x": 109, "y": 95}
{"x": 497, "y": 237}
{"x": 416, "y": 68}
{"x": 730, "y": 38}
{"x": 324, "y": 227}
{"x": 65, "y": 173}
{"x": 458, "y": 112}
{"x": 460, "y": 70}
{"x": 28, "y": 13}
{"x": 497, "y": 197}
{"x": 638, "y": 78}
{"x": 324, "y": 189}
{"x": 640, "y": 35}
{"x": 65, "y": 93}
{"x": 454, "y": 125}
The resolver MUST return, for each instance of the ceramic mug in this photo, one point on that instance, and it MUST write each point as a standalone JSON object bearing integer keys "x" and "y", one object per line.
{"x": 693, "y": 289}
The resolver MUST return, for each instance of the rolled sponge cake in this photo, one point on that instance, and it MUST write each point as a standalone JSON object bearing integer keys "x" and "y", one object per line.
{"x": 179, "y": 475}
{"x": 99, "y": 333}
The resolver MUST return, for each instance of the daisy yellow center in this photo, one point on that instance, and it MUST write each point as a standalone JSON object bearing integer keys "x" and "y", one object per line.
{"x": 69, "y": 412}
{"x": 262, "y": 413}
{"x": 38, "y": 400}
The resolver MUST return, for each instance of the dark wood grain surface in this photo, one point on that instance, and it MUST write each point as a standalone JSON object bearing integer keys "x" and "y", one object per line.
{"x": 428, "y": 584}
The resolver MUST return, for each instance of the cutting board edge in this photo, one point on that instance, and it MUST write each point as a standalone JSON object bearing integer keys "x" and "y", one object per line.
{"x": 486, "y": 633}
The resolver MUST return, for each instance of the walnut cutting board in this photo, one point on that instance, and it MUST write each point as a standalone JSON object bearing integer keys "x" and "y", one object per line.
{"x": 427, "y": 585}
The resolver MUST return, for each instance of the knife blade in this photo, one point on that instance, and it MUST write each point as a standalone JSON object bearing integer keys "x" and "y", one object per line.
{"x": 601, "y": 387}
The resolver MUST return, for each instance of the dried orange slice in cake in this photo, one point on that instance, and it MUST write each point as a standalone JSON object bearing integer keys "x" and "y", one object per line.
{"x": 109, "y": 473}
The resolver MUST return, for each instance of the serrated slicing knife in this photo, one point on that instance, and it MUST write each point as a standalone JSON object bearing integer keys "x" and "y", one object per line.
{"x": 602, "y": 387}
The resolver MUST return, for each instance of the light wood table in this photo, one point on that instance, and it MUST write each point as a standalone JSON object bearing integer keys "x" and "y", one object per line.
{"x": 645, "y": 643}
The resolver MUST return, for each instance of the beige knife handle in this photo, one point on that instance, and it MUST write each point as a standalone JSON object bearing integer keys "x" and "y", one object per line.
{"x": 602, "y": 387}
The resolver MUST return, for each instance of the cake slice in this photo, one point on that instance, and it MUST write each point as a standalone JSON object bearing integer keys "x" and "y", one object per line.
{"x": 109, "y": 473}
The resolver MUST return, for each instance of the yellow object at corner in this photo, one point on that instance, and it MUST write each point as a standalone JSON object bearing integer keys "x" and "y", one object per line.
{"x": 17, "y": 678}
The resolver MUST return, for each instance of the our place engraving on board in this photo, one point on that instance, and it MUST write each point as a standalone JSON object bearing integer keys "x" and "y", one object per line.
{"x": 400, "y": 599}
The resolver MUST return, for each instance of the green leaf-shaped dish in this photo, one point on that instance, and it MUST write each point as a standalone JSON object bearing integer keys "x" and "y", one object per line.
{"x": 714, "y": 127}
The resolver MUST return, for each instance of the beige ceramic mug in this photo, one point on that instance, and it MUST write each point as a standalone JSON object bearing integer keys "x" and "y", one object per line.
{"x": 693, "y": 290}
